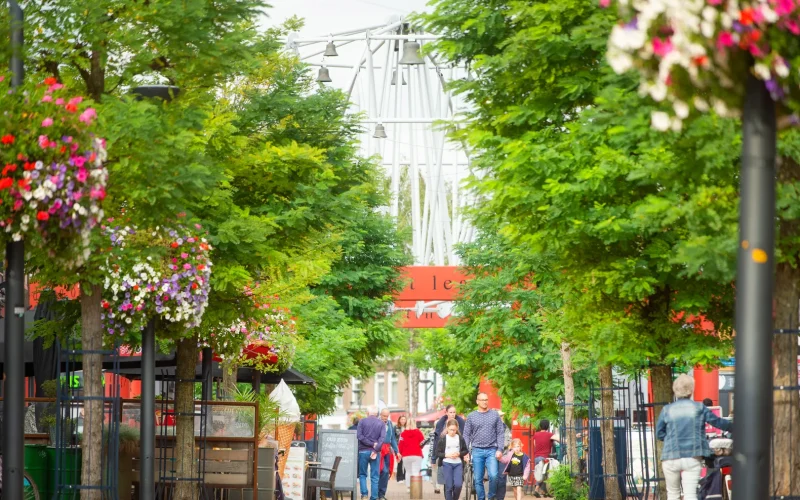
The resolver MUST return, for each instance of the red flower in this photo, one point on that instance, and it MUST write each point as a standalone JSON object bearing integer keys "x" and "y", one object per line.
{"x": 6, "y": 182}
{"x": 7, "y": 139}
{"x": 71, "y": 107}
{"x": 23, "y": 183}
{"x": 50, "y": 81}
{"x": 106, "y": 305}
{"x": 29, "y": 166}
{"x": 10, "y": 167}
{"x": 201, "y": 267}
{"x": 42, "y": 215}
{"x": 194, "y": 286}
{"x": 746, "y": 16}
{"x": 174, "y": 244}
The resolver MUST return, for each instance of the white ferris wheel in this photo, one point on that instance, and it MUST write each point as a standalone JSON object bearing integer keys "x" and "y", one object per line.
{"x": 400, "y": 91}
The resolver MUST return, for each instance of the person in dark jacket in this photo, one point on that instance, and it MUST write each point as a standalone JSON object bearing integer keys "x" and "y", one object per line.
{"x": 450, "y": 452}
{"x": 371, "y": 433}
{"x": 439, "y": 430}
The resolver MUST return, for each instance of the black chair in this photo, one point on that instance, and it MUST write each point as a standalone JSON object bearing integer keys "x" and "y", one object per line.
{"x": 323, "y": 484}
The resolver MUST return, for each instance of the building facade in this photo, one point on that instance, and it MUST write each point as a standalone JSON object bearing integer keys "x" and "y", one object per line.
{"x": 388, "y": 388}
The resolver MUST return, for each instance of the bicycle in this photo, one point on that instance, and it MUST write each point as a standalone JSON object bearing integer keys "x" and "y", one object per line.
{"x": 29, "y": 489}
{"x": 469, "y": 487}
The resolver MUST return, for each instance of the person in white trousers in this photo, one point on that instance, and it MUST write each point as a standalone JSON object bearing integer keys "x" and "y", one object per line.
{"x": 682, "y": 427}
{"x": 410, "y": 446}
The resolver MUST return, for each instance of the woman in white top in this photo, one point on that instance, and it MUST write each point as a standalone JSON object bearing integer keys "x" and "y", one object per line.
{"x": 450, "y": 452}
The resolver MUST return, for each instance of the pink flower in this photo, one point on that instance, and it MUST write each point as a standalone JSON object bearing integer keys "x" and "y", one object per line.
{"x": 187, "y": 266}
{"x": 88, "y": 115}
{"x": 47, "y": 98}
{"x": 56, "y": 86}
{"x": 725, "y": 39}
{"x": 81, "y": 175}
{"x": 784, "y": 7}
{"x": 2, "y": 78}
{"x": 43, "y": 141}
{"x": 76, "y": 100}
{"x": 184, "y": 255}
{"x": 97, "y": 193}
{"x": 77, "y": 195}
{"x": 605, "y": 3}
{"x": 662, "y": 47}
{"x": 792, "y": 26}
{"x": 714, "y": 2}
{"x": 68, "y": 139}
{"x": 47, "y": 122}
{"x": 60, "y": 101}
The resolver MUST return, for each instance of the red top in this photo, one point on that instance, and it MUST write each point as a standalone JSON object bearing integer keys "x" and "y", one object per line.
{"x": 542, "y": 444}
{"x": 410, "y": 444}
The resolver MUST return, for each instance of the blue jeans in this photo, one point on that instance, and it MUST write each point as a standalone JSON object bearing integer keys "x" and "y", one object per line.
{"x": 502, "y": 486}
{"x": 484, "y": 458}
{"x": 383, "y": 482}
{"x": 363, "y": 462}
{"x": 453, "y": 480}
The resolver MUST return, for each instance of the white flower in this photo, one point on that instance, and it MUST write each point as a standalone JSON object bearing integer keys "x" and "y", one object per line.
{"x": 681, "y": 109}
{"x": 707, "y": 29}
{"x": 25, "y": 218}
{"x": 676, "y": 124}
{"x": 700, "y": 104}
{"x": 720, "y": 108}
{"x": 627, "y": 39}
{"x": 658, "y": 91}
{"x": 762, "y": 71}
{"x": 660, "y": 120}
{"x": 781, "y": 69}
{"x": 770, "y": 15}
{"x": 620, "y": 61}
{"x": 16, "y": 236}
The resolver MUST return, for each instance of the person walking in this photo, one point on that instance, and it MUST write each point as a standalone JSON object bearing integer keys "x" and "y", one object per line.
{"x": 484, "y": 434}
{"x": 450, "y": 452}
{"x": 411, "y": 450}
{"x": 542, "y": 448}
{"x": 371, "y": 433}
{"x": 439, "y": 431}
{"x": 518, "y": 467}
{"x": 389, "y": 453}
{"x": 402, "y": 422}
{"x": 681, "y": 426}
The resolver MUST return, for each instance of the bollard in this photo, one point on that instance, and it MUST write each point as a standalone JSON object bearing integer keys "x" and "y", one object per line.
{"x": 416, "y": 487}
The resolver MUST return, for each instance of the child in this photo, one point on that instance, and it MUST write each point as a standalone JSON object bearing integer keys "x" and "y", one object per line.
{"x": 518, "y": 467}
{"x": 450, "y": 452}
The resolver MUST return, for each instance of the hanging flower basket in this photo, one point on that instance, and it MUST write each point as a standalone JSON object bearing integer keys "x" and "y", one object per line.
{"x": 696, "y": 54}
{"x": 162, "y": 273}
{"x": 52, "y": 180}
{"x": 268, "y": 345}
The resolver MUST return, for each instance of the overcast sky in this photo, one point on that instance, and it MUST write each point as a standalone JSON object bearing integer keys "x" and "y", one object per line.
{"x": 329, "y": 16}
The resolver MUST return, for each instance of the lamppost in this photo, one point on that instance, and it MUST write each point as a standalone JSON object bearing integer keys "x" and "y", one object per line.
{"x": 360, "y": 393}
{"x": 754, "y": 289}
{"x": 14, "y": 365}
{"x": 428, "y": 384}
{"x": 147, "y": 484}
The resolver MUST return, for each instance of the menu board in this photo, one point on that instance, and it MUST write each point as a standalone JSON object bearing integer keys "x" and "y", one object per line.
{"x": 332, "y": 444}
{"x": 293, "y": 479}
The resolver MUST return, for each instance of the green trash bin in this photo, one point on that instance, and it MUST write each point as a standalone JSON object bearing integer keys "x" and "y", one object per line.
{"x": 70, "y": 473}
{"x": 37, "y": 465}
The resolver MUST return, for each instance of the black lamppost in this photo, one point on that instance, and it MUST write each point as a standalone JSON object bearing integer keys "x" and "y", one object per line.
{"x": 14, "y": 366}
{"x": 147, "y": 444}
{"x": 754, "y": 291}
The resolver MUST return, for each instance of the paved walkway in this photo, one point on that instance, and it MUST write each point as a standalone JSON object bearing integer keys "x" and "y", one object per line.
{"x": 397, "y": 491}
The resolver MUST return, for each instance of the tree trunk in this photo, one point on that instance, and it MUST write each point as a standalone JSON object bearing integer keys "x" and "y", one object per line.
{"x": 413, "y": 381}
{"x": 92, "y": 441}
{"x": 607, "y": 428}
{"x": 786, "y": 404}
{"x": 228, "y": 388}
{"x": 568, "y": 439}
{"x": 185, "y": 466}
{"x": 661, "y": 379}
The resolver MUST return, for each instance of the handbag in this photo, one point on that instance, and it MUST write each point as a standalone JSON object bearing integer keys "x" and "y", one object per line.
{"x": 401, "y": 472}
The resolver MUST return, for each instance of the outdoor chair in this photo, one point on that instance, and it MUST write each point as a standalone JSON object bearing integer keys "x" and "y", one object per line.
{"x": 323, "y": 484}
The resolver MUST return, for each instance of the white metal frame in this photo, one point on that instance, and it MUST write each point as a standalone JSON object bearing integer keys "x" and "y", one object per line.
{"x": 425, "y": 167}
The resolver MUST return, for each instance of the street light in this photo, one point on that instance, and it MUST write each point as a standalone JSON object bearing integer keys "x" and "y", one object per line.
{"x": 428, "y": 384}
{"x": 360, "y": 393}
{"x": 147, "y": 444}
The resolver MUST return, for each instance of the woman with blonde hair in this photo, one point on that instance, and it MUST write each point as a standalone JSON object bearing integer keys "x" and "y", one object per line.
{"x": 681, "y": 426}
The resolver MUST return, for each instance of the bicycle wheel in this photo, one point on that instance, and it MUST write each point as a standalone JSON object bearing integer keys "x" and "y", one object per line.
{"x": 468, "y": 488}
{"x": 29, "y": 489}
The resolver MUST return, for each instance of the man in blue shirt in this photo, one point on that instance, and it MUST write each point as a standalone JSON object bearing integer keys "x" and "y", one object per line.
{"x": 389, "y": 440}
{"x": 484, "y": 433}
{"x": 371, "y": 432}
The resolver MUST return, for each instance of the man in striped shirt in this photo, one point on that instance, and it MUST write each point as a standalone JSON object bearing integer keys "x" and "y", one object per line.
{"x": 484, "y": 433}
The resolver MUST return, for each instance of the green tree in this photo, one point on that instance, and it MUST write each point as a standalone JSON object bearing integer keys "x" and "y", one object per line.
{"x": 639, "y": 225}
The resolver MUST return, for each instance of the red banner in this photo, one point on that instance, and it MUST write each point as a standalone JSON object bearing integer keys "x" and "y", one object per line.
{"x": 430, "y": 283}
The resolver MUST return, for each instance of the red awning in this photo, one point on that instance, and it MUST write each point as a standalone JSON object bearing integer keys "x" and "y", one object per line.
{"x": 431, "y": 417}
